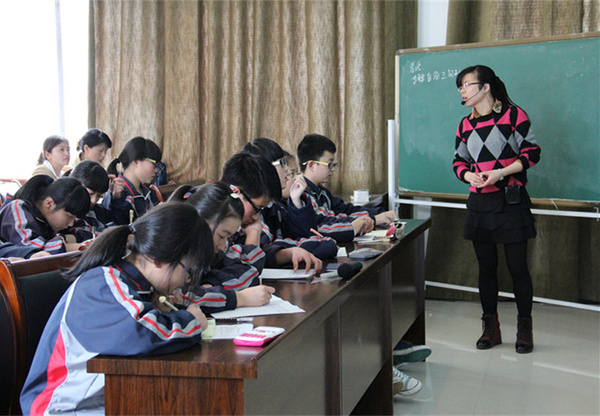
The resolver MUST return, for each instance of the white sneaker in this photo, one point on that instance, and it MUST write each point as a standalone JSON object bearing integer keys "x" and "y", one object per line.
{"x": 404, "y": 384}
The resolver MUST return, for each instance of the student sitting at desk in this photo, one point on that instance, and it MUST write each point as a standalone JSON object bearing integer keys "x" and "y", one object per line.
{"x": 95, "y": 179}
{"x": 336, "y": 219}
{"x": 255, "y": 180}
{"x": 136, "y": 165}
{"x": 277, "y": 229}
{"x": 114, "y": 307}
{"x": 232, "y": 280}
{"x": 56, "y": 154}
{"x": 41, "y": 210}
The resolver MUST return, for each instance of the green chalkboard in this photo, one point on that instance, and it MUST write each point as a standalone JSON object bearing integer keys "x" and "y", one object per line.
{"x": 556, "y": 80}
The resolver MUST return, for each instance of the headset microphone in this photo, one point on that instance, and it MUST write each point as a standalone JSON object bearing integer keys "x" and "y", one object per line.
{"x": 465, "y": 101}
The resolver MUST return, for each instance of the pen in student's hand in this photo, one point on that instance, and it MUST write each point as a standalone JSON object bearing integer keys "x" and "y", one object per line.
{"x": 315, "y": 232}
{"x": 163, "y": 299}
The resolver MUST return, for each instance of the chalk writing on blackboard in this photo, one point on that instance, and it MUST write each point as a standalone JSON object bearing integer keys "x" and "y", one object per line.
{"x": 421, "y": 76}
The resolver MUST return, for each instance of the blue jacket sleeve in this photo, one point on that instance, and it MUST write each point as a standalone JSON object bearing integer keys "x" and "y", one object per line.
{"x": 19, "y": 225}
{"x": 237, "y": 268}
{"x": 119, "y": 207}
{"x": 126, "y": 325}
{"x": 210, "y": 299}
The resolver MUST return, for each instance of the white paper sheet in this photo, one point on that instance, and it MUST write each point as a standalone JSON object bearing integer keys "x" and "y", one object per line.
{"x": 277, "y": 306}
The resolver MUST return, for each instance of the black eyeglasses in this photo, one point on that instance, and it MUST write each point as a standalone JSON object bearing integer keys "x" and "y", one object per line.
{"x": 257, "y": 210}
{"x": 282, "y": 162}
{"x": 189, "y": 271}
{"x": 466, "y": 84}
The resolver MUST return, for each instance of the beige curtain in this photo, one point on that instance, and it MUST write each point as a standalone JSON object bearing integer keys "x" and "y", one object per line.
{"x": 563, "y": 259}
{"x": 201, "y": 78}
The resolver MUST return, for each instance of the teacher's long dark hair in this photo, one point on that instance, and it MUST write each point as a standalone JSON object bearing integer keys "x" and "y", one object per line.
{"x": 486, "y": 75}
{"x": 167, "y": 234}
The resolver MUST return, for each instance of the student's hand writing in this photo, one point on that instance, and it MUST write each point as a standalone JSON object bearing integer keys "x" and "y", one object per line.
{"x": 385, "y": 218}
{"x": 198, "y": 314}
{"x": 363, "y": 225}
{"x": 116, "y": 185}
{"x": 255, "y": 296}
{"x": 297, "y": 190}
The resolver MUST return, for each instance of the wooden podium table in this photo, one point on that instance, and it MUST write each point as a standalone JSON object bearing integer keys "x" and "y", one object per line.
{"x": 335, "y": 358}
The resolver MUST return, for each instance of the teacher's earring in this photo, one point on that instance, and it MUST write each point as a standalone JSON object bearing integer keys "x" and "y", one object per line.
{"x": 497, "y": 107}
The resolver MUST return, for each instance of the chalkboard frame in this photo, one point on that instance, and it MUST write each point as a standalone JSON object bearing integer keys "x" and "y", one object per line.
{"x": 553, "y": 200}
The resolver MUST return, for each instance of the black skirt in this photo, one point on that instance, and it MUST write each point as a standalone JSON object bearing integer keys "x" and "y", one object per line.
{"x": 490, "y": 219}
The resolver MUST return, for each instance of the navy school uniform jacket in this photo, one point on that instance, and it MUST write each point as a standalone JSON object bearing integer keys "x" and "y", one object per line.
{"x": 235, "y": 269}
{"x": 95, "y": 221}
{"x": 130, "y": 200}
{"x": 107, "y": 310}
{"x": 334, "y": 217}
{"x": 14, "y": 250}
{"x": 278, "y": 232}
{"x": 22, "y": 223}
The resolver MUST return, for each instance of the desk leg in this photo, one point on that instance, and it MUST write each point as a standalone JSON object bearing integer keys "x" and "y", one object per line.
{"x": 374, "y": 402}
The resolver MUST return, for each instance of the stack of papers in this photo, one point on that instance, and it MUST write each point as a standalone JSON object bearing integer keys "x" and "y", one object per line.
{"x": 275, "y": 274}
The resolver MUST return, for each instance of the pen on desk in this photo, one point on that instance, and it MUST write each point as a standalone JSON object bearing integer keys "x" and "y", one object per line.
{"x": 315, "y": 232}
{"x": 163, "y": 299}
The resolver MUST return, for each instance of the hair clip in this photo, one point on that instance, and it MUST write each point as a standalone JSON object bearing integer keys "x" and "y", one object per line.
{"x": 234, "y": 195}
{"x": 187, "y": 195}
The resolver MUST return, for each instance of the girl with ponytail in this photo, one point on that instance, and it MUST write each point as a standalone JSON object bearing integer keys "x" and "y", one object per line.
{"x": 232, "y": 280}
{"x": 42, "y": 212}
{"x": 135, "y": 168}
{"x": 115, "y": 307}
{"x": 495, "y": 146}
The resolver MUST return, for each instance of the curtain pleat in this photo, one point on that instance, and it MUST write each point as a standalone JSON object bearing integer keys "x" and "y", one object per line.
{"x": 202, "y": 78}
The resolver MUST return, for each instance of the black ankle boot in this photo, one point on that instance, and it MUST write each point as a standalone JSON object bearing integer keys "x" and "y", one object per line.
{"x": 491, "y": 332}
{"x": 524, "y": 342}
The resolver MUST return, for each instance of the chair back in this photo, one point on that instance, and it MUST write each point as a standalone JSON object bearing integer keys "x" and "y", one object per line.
{"x": 30, "y": 290}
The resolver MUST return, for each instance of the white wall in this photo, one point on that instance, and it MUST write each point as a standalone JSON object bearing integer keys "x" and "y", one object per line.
{"x": 30, "y": 107}
{"x": 432, "y": 23}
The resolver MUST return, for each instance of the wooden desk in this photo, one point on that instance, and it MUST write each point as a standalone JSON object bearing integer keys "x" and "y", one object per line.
{"x": 336, "y": 358}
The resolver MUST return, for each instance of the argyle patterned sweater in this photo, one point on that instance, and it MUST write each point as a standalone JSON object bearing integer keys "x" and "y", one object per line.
{"x": 495, "y": 141}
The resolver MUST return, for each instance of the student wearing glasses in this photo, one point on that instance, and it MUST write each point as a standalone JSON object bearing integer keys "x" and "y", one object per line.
{"x": 255, "y": 179}
{"x": 136, "y": 166}
{"x": 232, "y": 280}
{"x": 495, "y": 146}
{"x": 115, "y": 307}
{"x": 336, "y": 219}
{"x": 277, "y": 230}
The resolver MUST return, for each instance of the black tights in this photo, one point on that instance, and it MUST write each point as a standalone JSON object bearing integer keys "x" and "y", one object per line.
{"x": 516, "y": 259}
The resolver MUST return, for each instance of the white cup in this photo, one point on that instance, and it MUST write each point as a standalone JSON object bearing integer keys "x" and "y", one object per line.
{"x": 361, "y": 196}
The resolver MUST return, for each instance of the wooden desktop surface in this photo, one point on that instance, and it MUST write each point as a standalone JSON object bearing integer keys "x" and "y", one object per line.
{"x": 335, "y": 358}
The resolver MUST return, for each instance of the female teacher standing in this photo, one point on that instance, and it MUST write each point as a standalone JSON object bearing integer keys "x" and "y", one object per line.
{"x": 495, "y": 146}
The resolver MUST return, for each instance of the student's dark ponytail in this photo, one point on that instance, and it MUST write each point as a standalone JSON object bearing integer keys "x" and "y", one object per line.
{"x": 167, "y": 234}
{"x": 182, "y": 193}
{"x": 66, "y": 192}
{"x": 216, "y": 202}
{"x": 138, "y": 148}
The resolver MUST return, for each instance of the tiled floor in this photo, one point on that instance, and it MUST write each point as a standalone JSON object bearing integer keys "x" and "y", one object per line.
{"x": 560, "y": 377}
